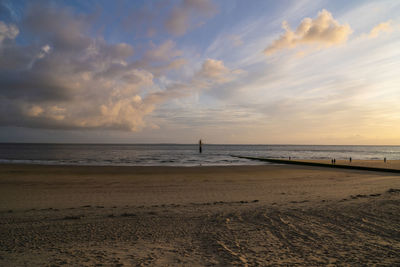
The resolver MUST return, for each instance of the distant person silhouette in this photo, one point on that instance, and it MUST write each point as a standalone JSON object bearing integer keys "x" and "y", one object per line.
{"x": 200, "y": 148}
{"x": 384, "y": 159}
{"x": 350, "y": 159}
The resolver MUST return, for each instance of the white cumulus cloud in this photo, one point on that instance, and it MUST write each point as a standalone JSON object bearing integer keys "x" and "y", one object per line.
{"x": 323, "y": 31}
{"x": 381, "y": 27}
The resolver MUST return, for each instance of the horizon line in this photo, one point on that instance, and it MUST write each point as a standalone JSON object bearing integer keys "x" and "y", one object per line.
{"x": 195, "y": 143}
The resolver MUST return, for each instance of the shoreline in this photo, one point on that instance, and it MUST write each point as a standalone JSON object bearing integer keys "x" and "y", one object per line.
{"x": 390, "y": 163}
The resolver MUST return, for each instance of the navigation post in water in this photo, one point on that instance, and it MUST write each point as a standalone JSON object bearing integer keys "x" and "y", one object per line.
{"x": 200, "y": 148}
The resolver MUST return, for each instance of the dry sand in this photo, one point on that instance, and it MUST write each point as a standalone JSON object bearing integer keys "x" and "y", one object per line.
{"x": 197, "y": 216}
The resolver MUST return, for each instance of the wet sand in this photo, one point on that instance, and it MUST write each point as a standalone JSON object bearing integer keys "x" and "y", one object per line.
{"x": 197, "y": 216}
{"x": 389, "y": 164}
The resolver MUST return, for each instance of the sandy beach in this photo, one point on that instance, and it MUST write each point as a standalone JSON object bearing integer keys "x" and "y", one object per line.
{"x": 197, "y": 216}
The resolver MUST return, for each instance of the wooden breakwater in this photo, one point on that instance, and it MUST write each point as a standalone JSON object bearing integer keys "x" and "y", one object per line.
{"x": 317, "y": 164}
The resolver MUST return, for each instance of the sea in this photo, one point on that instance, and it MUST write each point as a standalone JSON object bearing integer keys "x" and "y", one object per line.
{"x": 180, "y": 154}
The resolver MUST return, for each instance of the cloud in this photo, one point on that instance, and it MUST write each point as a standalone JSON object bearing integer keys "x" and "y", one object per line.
{"x": 163, "y": 52}
{"x": 162, "y": 58}
{"x": 215, "y": 71}
{"x": 174, "y": 64}
{"x": 212, "y": 73}
{"x": 65, "y": 30}
{"x": 172, "y": 17}
{"x": 178, "y": 22}
{"x": 236, "y": 40}
{"x": 66, "y": 79}
{"x": 7, "y": 31}
{"x": 322, "y": 31}
{"x": 7, "y": 12}
{"x": 35, "y": 111}
{"x": 381, "y": 27}
{"x": 45, "y": 50}
{"x": 188, "y": 13}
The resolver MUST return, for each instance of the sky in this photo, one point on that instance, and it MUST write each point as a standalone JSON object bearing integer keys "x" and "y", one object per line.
{"x": 175, "y": 71}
